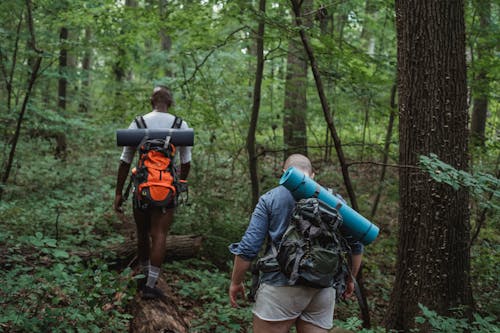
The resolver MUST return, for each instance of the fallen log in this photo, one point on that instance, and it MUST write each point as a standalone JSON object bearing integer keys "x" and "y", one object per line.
{"x": 160, "y": 315}
{"x": 177, "y": 247}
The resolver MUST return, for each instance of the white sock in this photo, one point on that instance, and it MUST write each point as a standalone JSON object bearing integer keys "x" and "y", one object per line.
{"x": 154, "y": 273}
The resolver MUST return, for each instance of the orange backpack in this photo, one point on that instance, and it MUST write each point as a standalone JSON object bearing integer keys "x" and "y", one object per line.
{"x": 155, "y": 177}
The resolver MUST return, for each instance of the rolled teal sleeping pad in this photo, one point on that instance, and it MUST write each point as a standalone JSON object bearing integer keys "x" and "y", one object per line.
{"x": 303, "y": 187}
{"x": 133, "y": 137}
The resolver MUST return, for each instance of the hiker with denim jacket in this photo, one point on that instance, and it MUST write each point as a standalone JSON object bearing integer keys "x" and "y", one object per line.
{"x": 278, "y": 305}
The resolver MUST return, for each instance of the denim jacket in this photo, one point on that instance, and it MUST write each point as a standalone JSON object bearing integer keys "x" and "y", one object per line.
{"x": 270, "y": 218}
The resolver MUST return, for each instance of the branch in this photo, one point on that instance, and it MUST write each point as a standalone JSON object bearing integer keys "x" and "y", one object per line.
{"x": 385, "y": 165}
{"x": 198, "y": 66}
{"x": 31, "y": 28}
{"x": 482, "y": 216}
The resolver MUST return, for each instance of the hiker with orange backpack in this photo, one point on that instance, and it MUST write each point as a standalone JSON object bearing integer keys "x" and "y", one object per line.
{"x": 156, "y": 186}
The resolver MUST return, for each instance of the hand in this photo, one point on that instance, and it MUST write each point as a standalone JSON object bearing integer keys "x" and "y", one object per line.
{"x": 349, "y": 290}
{"x": 182, "y": 186}
{"x": 118, "y": 203}
{"x": 234, "y": 290}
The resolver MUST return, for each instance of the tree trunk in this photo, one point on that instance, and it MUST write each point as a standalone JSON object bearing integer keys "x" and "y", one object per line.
{"x": 178, "y": 247}
{"x": 336, "y": 139}
{"x": 481, "y": 89}
{"x": 252, "y": 154}
{"x": 84, "y": 105}
{"x": 161, "y": 315}
{"x": 294, "y": 119}
{"x": 62, "y": 89}
{"x": 166, "y": 41}
{"x": 63, "y": 64}
{"x": 385, "y": 157}
{"x": 433, "y": 263}
{"x": 325, "y": 106}
{"x": 367, "y": 37}
{"x": 36, "y": 61}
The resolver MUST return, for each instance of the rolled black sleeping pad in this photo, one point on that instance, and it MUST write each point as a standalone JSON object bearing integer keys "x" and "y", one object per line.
{"x": 132, "y": 137}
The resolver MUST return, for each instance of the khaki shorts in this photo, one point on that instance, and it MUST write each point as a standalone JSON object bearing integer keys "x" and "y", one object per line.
{"x": 312, "y": 305}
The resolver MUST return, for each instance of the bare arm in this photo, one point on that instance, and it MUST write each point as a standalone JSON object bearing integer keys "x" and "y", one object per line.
{"x": 123, "y": 170}
{"x": 355, "y": 264}
{"x": 240, "y": 267}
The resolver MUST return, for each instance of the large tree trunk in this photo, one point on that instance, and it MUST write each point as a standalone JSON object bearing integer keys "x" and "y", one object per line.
{"x": 294, "y": 119}
{"x": 433, "y": 263}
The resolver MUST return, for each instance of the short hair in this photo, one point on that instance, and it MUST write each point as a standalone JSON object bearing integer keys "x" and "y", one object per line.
{"x": 162, "y": 95}
{"x": 300, "y": 162}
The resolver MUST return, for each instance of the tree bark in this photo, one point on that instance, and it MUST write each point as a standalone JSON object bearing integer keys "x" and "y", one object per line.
{"x": 166, "y": 40}
{"x": 63, "y": 64}
{"x": 385, "y": 157}
{"x": 481, "y": 88}
{"x": 295, "y": 109}
{"x": 161, "y": 315}
{"x": 84, "y": 105}
{"x": 433, "y": 261}
{"x": 178, "y": 247}
{"x": 252, "y": 154}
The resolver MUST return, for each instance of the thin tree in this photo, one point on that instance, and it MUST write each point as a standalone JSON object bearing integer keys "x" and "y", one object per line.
{"x": 84, "y": 105}
{"x": 433, "y": 259}
{"x": 324, "y": 103}
{"x": 252, "y": 153}
{"x": 480, "y": 91}
{"x": 385, "y": 157}
{"x": 166, "y": 40}
{"x": 336, "y": 140}
{"x": 63, "y": 64}
{"x": 35, "y": 67}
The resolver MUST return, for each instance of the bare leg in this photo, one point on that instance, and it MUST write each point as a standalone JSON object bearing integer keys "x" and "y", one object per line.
{"x": 142, "y": 224}
{"x": 160, "y": 226}
{"x": 264, "y": 326}
{"x": 305, "y": 327}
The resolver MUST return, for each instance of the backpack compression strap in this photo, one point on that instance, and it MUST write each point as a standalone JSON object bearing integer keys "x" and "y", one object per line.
{"x": 177, "y": 122}
{"x": 139, "y": 121}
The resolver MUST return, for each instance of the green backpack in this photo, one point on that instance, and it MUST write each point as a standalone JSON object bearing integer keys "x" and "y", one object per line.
{"x": 312, "y": 251}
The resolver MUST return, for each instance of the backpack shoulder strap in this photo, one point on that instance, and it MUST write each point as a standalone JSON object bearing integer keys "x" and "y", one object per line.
{"x": 139, "y": 121}
{"x": 177, "y": 122}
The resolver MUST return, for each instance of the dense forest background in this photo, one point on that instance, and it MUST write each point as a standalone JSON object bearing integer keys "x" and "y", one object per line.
{"x": 72, "y": 72}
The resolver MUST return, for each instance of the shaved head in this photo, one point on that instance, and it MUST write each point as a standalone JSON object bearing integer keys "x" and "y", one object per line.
{"x": 300, "y": 162}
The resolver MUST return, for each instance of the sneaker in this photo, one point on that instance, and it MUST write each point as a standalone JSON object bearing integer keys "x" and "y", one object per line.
{"x": 152, "y": 293}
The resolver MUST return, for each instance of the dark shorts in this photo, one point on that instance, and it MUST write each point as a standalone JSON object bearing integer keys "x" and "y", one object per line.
{"x": 172, "y": 204}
